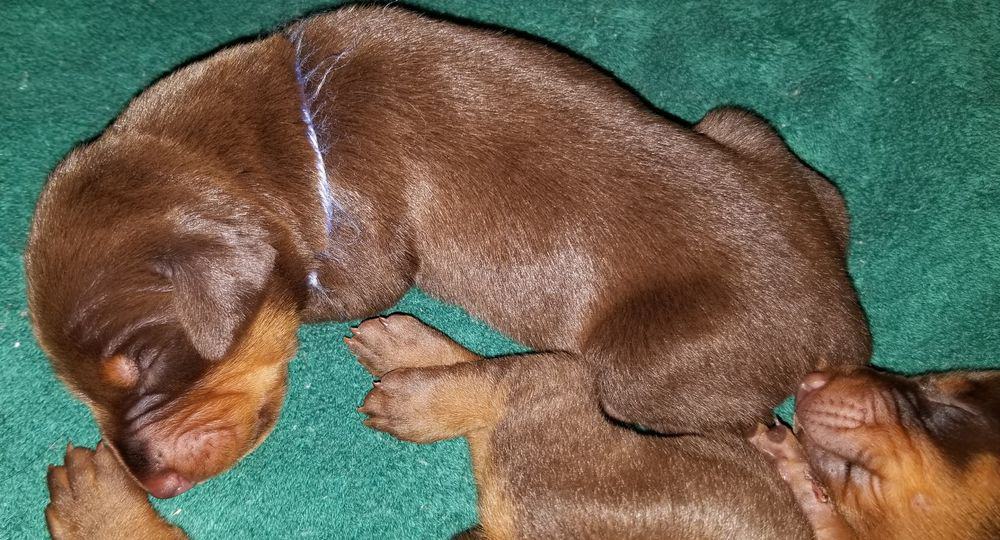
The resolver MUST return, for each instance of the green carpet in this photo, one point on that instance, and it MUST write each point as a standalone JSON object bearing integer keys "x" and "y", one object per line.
{"x": 897, "y": 102}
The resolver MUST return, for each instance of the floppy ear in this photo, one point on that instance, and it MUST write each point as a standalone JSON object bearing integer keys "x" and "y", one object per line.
{"x": 219, "y": 274}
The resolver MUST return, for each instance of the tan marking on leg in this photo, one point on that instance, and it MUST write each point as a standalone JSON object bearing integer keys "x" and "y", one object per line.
{"x": 496, "y": 509}
{"x": 432, "y": 404}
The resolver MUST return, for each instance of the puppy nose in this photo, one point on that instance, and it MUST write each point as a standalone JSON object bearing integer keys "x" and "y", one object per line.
{"x": 166, "y": 484}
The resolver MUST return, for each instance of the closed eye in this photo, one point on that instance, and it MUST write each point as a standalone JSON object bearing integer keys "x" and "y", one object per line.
{"x": 952, "y": 409}
{"x": 950, "y": 403}
{"x": 951, "y": 422}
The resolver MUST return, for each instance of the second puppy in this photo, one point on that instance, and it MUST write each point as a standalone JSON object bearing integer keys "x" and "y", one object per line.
{"x": 894, "y": 458}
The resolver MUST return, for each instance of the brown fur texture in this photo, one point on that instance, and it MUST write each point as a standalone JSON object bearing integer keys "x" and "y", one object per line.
{"x": 548, "y": 464}
{"x": 883, "y": 456}
{"x": 695, "y": 274}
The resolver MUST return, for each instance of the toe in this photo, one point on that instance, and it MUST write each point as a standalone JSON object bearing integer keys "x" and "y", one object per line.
{"x": 399, "y": 322}
{"x": 80, "y": 467}
{"x": 56, "y": 526}
{"x": 377, "y": 423}
{"x": 57, "y": 480}
{"x": 367, "y": 344}
{"x": 778, "y": 434}
{"x": 756, "y": 433}
{"x": 103, "y": 456}
{"x": 371, "y": 327}
{"x": 376, "y": 402}
{"x": 357, "y": 346}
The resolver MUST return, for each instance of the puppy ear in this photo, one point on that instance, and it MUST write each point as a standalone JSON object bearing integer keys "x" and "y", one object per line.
{"x": 219, "y": 275}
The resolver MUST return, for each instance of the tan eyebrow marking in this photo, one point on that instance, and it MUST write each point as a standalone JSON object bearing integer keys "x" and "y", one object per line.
{"x": 120, "y": 370}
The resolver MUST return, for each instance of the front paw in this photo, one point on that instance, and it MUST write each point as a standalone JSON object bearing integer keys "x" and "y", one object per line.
{"x": 785, "y": 451}
{"x": 92, "y": 496}
{"x": 384, "y": 344}
{"x": 403, "y": 404}
{"x": 778, "y": 443}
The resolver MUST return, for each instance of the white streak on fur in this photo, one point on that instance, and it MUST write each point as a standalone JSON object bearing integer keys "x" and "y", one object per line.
{"x": 310, "y": 84}
{"x": 323, "y": 180}
{"x": 314, "y": 280}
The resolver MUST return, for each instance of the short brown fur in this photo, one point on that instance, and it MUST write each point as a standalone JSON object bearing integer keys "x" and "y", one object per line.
{"x": 693, "y": 274}
{"x": 548, "y": 464}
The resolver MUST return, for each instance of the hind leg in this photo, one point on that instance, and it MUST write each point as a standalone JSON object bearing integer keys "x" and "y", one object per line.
{"x": 695, "y": 358}
{"x": 433, "y": 389}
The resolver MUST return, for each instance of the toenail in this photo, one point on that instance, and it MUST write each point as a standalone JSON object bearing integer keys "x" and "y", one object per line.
{"x": 815, "y": 380}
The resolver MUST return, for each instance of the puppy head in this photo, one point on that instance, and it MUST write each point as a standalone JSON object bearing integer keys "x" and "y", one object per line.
{"x": 906, "y": 457}
{"x": 152, "y": 291}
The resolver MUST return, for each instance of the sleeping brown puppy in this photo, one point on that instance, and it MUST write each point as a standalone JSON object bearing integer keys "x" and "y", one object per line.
{"x": 547, "y": 462}
{"x": 319, "y": 173}
{"x": 887, "y": 457}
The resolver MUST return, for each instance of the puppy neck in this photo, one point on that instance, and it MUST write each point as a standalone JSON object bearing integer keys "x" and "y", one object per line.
{"x": 311, "y": 73}
{"x": 310, "y": 80}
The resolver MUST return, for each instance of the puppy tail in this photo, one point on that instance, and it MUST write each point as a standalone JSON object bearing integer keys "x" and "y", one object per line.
{"x": 753, "y": 138}
{"x": 742, "y": 131}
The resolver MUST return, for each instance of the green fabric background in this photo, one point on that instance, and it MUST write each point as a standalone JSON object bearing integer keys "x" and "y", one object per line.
{"x": 896, "y": 101}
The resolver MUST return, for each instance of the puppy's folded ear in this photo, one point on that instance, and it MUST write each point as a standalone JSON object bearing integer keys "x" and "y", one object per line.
{"x": 219, "y": 270}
